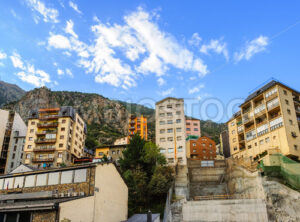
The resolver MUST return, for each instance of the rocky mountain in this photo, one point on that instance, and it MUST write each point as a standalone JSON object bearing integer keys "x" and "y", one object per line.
{"x": 106, "y": 119}
{"x": 9, "y": 92}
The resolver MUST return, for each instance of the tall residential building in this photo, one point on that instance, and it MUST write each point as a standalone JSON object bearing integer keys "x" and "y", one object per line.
{"x": 202, "y": 148}
{"x": 224, "y": 144}
{"x": 170, "y": 129}
{"x": 138, "y": 125}
{"x": 268, "y": 121}
{"x": 55, "y": 136}
{"x": 192, "y": 127}
{"x": 11, "y": 147}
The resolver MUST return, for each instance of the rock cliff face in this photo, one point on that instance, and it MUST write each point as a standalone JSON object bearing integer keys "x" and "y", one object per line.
{"x": 106, "y": 119}
{"x": 9, "y": 93}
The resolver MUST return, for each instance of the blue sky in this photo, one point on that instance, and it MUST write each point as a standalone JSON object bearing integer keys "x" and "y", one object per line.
{"x": 212, "y": 53}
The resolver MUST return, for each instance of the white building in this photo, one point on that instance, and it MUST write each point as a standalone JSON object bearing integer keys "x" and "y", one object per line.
{"x": 12, "y": 136}
{"x": 170, "y": 129}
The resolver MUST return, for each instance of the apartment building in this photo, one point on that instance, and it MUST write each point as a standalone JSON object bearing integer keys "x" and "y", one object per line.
{"x": 192, "y": 127}
{"x": 90, "y": 193}
{"x": 138, "y": 125}
{"x": 268, "y": 121}
{"x": 122, "y": 141}
{"x": 170, "y": 129}
{"x": 55, "y": 136}
{"x": 11, "y": 145}
{"x": 112, "y": 152}
{"x": 202, "y": 148}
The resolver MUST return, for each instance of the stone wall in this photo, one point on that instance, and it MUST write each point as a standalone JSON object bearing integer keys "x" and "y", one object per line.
{"x": 44, "y": 216}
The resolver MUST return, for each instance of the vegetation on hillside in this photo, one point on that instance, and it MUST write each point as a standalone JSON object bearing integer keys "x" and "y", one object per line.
{"x": 147, "y": 176}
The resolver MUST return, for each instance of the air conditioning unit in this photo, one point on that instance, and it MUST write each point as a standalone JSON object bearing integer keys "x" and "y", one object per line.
{"x": 61, "y": 195}
{"x": 68, "y": 194}
{"x": 81, "y": 193}
{"x": 75, "y": 194}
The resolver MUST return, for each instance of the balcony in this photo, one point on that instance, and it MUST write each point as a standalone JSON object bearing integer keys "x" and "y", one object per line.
{"x": 276, "y": 123}
{"x": 296, "y": 101}
{"x": 44, "y": 149}
{"x": 47, "y": 125}
{"x": 273, "y": 106}
{"x": 41, "y": 160}
{"x": 239, "y": 123}
{"x": 274, "y": 95}
{"x": 43, "y": 140}
{"x": 44, "y": 132}
{"x": 48, "y": 117}
{"x": 240, "y": 129}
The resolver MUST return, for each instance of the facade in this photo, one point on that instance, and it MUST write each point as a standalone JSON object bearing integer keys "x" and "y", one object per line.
{"x": 11, "y": 145}
{"x": 224, "y": 144}
{"x": 113, "y": 152}
{"x": 192, "y": 127}
{"x": 138, "y": 125}
{"x": 170, "y": 129}
{"x": 89, "y": 193}
{"x": 202, "y": 148}
{"x": 122, "y": 141}
{"x": 55, "y": 136}
{"x": 268, "y": 121}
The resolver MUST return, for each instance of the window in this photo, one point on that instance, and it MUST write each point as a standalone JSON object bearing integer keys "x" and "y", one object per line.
{"x": 162, "y": 123}
{"x": 33, "y": 123}
{"x": 274, "y": 137}
{"x": 178, "y": 112}
{"x": 60, "y": 155}
{"x": 63, "y": 129}
{"x": 188, "y": 129}
{"x": 286, "y": 102}
{"x": 255, "y": 144}
{"x": 12, "y": 165}
{"x": 195, "y": 129}
{"x": 161, "y": 114}
{"x": 31, "y": 130}
{"x": 210, "y": 145}
{"x": 178, "y": 138}
{"x": 27, "y": 156}
{"x": 295, "y": 147}
{"x": 63, "y": 121}
{"x": 195, "y": 124}
{"x": 170, "y": 138}
{"x": 161, "y": 107}
{"x": 162, "y": 150}
{"x": 291, "y": 122}
{"x": 285, "y": 92}
{"x": 29, "y": 147}
{"x": 234, "y": 140}
{"x": 267, "y": 140}
{"x": 162, "y": 139}
{"x": 15, "y": 148}
{"x": 188, "y": 124}
{"x": 232, "y": 124}
{"x": 289, "y": 111}
{"x": 162, "y": 131}
{"x": 204, "y": 151}
{"x": 249, "y": 147}
{"x": 203, "y": 144}
{"x": 194, "y": 144}
{"x": 261, "y": 142}
{"x": 178, "y": 121}
{"x": 113, "y": 152}
{"x": 62, "y": 137}
{"x": 170, "y": 160}
{"x": 235, "y": 148}
{"x": 169, "y": 106}
{"x": 177, "y": 105}
{"x": 194, "y": 151}
{"x": 178, "y": 129}
{"x": 170, "y": 121}
{"x": 30, "y": 138}
{"x": 169, "y": 114}
{"x": 179, "y": 149}
{"x": 13, "y": 156}
{"x": 233, "y": 132}
{"x": 171, "y": 150}
{"x": 170, "y": 130}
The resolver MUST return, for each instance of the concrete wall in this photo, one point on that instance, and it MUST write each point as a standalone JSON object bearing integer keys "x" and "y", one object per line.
{"x": 3, "y": 122}
{"x": 81, "y": 210}
{"x": 112, "y": 198}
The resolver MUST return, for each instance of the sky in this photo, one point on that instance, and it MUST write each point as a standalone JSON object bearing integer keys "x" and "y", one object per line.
{"x": 211, "y": 53}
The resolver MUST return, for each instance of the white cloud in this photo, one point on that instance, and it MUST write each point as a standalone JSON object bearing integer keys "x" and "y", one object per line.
{"x": 59, "y": 42}
{"x": 3, "y": 55}
{"x": 69, "y": 72}
{"x": 74, "y": 6}
{"x": 195, "y": 40}
{"x": 69, "y": 29}
{"x": 161, "y": 81}
{"x": 167, "y": 92}
{"x": 251, "y": 48}
{"x": 48, "y": 14}
{"x": 28, "y": 73}
{"x": 196, "y": 89}
{"x": 139, "y": 40}
{"x": 60, "y": 72}
{"x": 216, "y": 46}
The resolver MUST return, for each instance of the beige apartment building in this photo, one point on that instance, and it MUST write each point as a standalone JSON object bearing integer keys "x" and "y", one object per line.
{"x": 170, "y": 129}
{"x": 55, "y": 136}
{"x": 268, "y": 122}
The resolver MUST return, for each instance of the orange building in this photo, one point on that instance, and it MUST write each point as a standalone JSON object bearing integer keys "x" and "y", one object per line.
{"x": 202, "y": 148}
{"x": 138, "y": 125}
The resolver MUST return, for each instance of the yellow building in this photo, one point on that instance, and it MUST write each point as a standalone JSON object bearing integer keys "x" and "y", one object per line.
{"x": 268, "y": 122}
{"x": 138, "y": 125}
{"x": 113, "y": 152}
{"x": 54, "y": 136}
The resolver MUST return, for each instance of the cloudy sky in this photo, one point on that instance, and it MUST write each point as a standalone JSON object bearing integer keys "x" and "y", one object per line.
{"x": 143, "y": 51}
